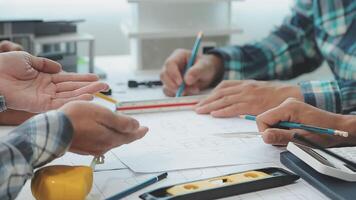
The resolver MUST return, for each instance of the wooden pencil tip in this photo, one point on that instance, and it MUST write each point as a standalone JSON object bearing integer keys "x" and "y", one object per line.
{"x": 200, "y": 34}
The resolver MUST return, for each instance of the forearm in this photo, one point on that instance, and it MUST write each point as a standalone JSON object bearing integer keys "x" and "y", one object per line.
{"x": 333, "y": 96}
{"x": 287, "y": 52}
{"x": 13, "y": 117}
{"x": 31, "y": 145}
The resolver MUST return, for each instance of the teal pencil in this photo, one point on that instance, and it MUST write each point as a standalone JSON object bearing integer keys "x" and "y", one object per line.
{"x": 310, "y": 128}
{"x": 191, "y": 62}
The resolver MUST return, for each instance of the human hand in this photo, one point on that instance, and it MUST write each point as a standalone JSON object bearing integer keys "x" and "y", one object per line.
{"x": 34, "y": 84}
{"x": 6, "y": 46}
{"x": 97, "y": 129}
{"x": 295, "y": 111}
{"x": 233, "y": 98}
{"x": 206, "y": 70}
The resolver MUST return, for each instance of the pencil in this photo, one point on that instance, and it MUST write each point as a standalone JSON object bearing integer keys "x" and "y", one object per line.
{"x": 310, "y": 128}
{"x": 139, "y": 187}
{"x": 103, "y": 96}
{"x": 190, "y": 62}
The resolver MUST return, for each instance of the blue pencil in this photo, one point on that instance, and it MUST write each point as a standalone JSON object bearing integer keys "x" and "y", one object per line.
{"x": 310, "y": 128}
{"x": 138, "y": 187}
{"x": 191, "y": 62}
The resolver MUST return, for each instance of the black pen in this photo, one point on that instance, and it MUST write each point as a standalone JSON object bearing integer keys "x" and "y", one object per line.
{"x": 138, "y": 187}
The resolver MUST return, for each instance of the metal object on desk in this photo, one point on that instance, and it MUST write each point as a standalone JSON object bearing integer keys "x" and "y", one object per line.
{"x": 44, "y": 38}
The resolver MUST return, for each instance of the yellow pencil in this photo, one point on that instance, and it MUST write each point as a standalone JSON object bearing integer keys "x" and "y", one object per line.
{"x": 102, "y": 96}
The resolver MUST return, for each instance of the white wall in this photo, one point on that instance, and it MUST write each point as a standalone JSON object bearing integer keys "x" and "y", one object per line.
{"x": 103, "y": 18}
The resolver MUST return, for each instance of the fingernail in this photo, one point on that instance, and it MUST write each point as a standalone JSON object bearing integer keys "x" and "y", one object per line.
{"x": 199, "y": 109}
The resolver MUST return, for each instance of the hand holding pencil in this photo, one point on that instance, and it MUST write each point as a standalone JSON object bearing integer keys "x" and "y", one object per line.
{"x": 295, "y": 111}
{"x": 204, "y": 71}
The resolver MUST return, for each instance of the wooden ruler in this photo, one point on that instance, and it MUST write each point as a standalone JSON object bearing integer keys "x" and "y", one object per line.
{"x": 159, "y": 105}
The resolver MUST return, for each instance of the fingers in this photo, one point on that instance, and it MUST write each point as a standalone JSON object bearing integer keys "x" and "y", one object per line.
{"x": 171, "y": 74}
{"x": 110, "y": 139}
{"x": 282, "y": 137}
{"x": 230, "y": 111}
{"x": 44, "y": 65}
{"x": 287, "y": 111}
{"x": 92, "y": 88}
{"x": 65, "y": 77}
{"x": 219, "y": 94}
{"x": 70, "y": 86}
{"x": 59, "y": 102}
{"x": 277, "y": 136}
{"x": 6, "y": 46}
{"x": 117, "y": 122}
{"x": 217, "y": 104}
{"x": 193, "y": 75}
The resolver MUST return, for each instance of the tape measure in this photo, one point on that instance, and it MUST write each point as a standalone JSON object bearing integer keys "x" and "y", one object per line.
{"x": 159, "y": 105}
{"x": 224, "y": 186}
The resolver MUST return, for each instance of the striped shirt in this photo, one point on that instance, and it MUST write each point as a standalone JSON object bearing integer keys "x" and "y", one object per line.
{"x": 317, "y": 31}
{"x": 31, "y": 145}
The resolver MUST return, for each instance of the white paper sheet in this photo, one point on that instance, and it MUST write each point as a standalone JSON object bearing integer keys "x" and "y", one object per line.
{"x": 184, "y": 140}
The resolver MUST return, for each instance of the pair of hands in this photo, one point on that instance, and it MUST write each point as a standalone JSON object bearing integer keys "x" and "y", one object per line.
{"x": 33, "y": 84}
{"x": 231, "y": 98}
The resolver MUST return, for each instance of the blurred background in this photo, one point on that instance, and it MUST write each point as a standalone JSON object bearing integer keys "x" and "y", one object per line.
{"x": 146, "y": 30}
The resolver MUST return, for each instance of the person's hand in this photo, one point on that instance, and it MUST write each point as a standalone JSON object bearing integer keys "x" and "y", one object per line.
{"x": 97, "y": 129}
{"x": 6, "y": 46}
{"x": 206, "y": 70}
{"x": 35, "y": 84}
{"x": 233, "y": 98}
{"x": 295, "y": 111}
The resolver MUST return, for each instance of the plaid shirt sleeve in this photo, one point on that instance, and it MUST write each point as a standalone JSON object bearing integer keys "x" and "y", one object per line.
{"x": 337, "y": 96}
{"x": 287, "y": 52}
{"x": 31, "y": 145}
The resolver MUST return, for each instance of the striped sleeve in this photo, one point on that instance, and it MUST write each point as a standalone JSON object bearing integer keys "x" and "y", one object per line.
{"x": 287, "y": 52}
{"x": 31, "y": 145}
{"x": 333, "y": 96}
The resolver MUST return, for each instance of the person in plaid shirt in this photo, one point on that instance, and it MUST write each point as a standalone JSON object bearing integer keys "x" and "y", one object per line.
{"x": 32, "y": 84}
{"x": 317, "y": 31}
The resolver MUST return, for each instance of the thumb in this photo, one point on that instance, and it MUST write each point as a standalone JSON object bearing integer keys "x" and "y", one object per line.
{"x": 277, "y": 136}
{"x": 194, "y": 74}
{"x": 44, "y": 65}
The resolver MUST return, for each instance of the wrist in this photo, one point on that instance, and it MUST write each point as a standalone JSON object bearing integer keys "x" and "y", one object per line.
{"x": 291, "y": 91}
{"x": 347, "y": 123}
{"x": 218, "y": 68}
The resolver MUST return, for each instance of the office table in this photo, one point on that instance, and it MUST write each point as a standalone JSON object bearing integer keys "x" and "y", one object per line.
{"x": 107, "y": 183}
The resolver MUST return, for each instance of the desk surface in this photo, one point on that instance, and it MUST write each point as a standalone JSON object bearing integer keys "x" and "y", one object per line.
{"x": 107, "y": 183}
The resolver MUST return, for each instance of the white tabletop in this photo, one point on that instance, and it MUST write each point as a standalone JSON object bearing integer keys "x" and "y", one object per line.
{"x": 107, "y": 183}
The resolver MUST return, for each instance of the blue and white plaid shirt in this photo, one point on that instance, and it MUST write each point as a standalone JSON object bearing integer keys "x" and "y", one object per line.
{"x": 317, "y": 31}
{"x": 33, "y": 144}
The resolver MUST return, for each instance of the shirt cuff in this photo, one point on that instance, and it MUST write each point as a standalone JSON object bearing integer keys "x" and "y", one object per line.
{"x": 231, "y": 57}
{"x": 43, "y": 138}
{"x": 2, "y": 104}
{"x": 322, "y": 94}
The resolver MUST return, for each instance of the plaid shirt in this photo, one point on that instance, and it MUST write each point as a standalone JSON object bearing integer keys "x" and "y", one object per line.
{"x": 318, "y": 30}
{"x": 31, "y": 145}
